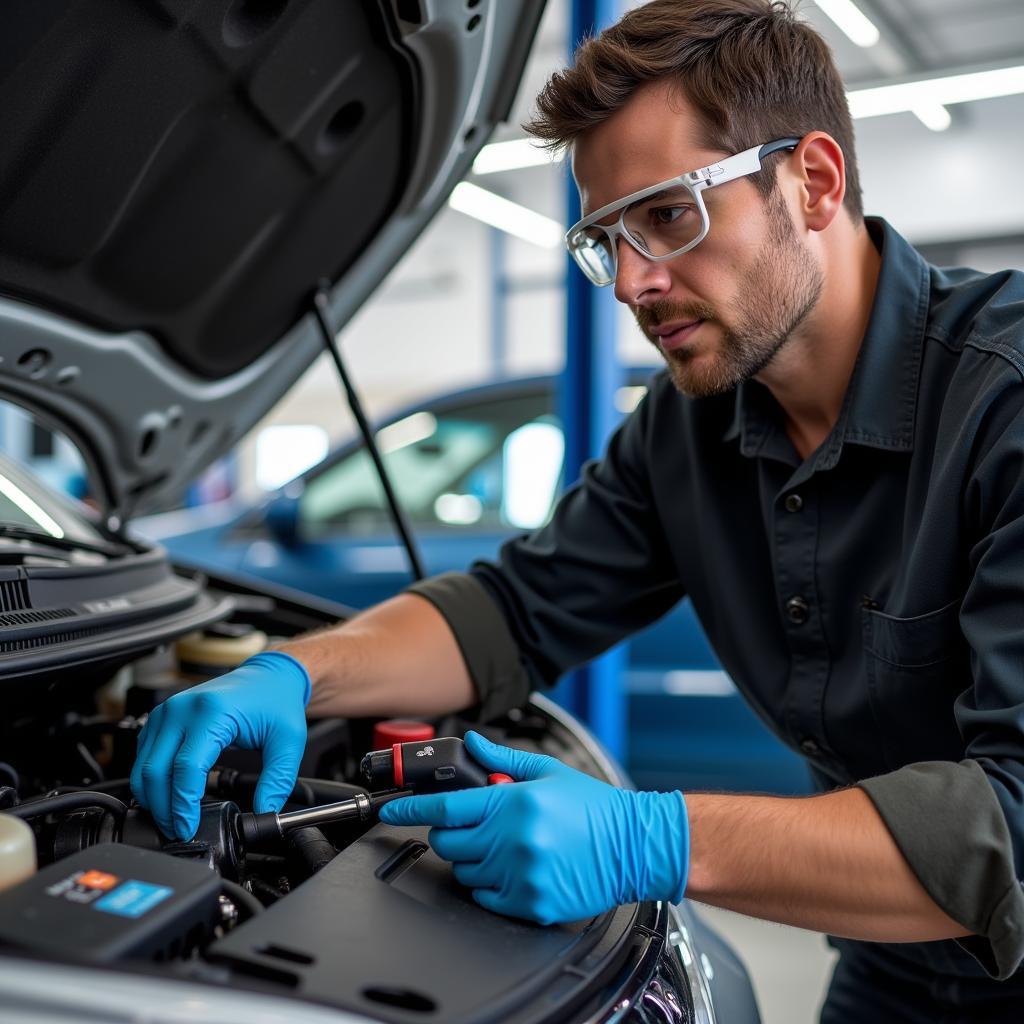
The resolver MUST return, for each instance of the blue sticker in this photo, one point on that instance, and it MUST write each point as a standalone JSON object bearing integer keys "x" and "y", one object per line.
{"x": 133, "y": 899}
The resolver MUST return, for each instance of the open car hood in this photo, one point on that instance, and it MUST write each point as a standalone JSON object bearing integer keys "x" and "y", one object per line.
{"x": 179, "y": 175}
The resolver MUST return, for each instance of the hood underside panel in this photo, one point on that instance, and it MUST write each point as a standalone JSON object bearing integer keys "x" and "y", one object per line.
{"x": 179, "y": 176}
{"x": 190, "y": 168}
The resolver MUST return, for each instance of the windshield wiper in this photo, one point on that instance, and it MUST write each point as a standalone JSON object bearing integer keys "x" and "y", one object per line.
{"x": 18, "y": 531}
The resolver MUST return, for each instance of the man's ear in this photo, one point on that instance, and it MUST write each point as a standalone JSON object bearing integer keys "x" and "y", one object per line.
{"x": 820, "y": 169}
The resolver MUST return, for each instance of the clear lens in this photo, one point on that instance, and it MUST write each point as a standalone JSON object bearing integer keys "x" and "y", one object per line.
{"x": 592, "y": 250}
{"x": 664, "y": 222}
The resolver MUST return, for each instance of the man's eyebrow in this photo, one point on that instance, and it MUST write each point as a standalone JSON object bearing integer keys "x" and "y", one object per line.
{"x": 671, "y": 190}
{"x": 653, "y": 197}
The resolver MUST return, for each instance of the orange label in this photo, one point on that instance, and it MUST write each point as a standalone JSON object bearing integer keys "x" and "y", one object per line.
{"x": 98, "y": 880}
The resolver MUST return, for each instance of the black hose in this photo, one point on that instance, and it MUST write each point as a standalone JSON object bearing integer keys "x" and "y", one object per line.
{"x": 327, "y": 791}
{"x": 8, "y": 797}
{"x": 312, "y": 847}
{"x": 10, "y": 774}
{"x": 69, "y": 802}
{"x": 107, "y": 786}
{"x": 242, "y": 898}
{"x": 229, "y": 782}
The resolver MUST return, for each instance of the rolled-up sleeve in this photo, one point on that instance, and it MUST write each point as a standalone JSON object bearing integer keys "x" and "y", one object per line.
{"x": 598, "y": 571}
{"x": 484, "y": 639}
{"x": 961, "y": 825}
{"x": 953, "y": 832}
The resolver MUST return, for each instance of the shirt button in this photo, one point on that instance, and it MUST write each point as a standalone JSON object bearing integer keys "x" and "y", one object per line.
{"x": 794, "y": 503}
{"x": 810, "y": 748}
{"x": 798, "y": 610}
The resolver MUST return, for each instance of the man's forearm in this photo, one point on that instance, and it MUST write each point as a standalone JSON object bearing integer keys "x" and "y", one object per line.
{"x": 827, "y": 863}
{"x": 397, "y": 658}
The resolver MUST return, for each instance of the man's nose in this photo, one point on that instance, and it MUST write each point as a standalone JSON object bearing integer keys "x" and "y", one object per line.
{"x": 638, "y": 280}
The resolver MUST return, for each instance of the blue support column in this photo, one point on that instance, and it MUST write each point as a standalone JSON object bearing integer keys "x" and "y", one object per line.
{"x": 591, "y": 376}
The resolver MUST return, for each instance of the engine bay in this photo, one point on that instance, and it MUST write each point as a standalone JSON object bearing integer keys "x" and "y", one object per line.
{"x": 354, "y": 914}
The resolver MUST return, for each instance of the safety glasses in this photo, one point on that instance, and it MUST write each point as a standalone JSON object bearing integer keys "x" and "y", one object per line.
{"x": 661, "y": 221}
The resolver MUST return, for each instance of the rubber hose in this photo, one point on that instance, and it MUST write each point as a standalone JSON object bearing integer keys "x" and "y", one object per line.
{"x": 313, "y": 847}
{"x": 69, "y": 802}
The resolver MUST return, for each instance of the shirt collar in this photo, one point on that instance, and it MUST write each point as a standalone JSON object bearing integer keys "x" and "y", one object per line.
{"x": 881, "y": 399}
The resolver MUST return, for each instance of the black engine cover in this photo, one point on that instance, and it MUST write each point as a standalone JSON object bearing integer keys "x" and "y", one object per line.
{"x": 385, "y": 929}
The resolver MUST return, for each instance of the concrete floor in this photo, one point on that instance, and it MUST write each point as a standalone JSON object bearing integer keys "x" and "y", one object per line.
{"x": 790, "y": 967}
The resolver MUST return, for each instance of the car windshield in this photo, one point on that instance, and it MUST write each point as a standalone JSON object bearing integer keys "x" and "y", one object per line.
{"x": 27, "y": 503}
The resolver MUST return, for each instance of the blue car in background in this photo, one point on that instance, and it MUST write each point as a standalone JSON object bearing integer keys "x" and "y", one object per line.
{"x": 472, "y": 468}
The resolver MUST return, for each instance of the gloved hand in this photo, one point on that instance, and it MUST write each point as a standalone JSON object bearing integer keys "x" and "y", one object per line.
{"x": 557, "y": 845}
{"x": 259, "y": 705}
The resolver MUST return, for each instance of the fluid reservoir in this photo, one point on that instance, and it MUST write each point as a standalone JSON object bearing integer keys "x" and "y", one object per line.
{"x": 17, "y": 851}
{"x": 400, "y": 730}
{"x": 218, "y": 650}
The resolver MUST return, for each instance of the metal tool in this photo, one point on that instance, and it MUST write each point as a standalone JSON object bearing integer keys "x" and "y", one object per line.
{"x": 424, "y": 766}
{"x": 254, "y": 829}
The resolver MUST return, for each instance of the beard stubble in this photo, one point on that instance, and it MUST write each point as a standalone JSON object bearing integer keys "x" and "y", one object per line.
{"x": 782, "y": 287}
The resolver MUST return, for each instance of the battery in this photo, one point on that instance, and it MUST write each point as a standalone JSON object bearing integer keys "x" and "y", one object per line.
{"x": 112, "y": 902}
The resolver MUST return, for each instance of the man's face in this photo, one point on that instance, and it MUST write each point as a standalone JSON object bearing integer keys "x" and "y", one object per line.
{"x": 720, "y": 312}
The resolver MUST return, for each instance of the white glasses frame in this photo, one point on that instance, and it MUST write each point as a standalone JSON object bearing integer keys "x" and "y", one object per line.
{"x": 729, "y": 169}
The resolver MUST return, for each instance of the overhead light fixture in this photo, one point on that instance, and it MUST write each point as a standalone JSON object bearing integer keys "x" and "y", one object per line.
{"x": 927, "y": 93}
{"x": 13, "y": 493}
{"x": 860, "y": 29}
{"x": 926, "y": 98}
{"x": 417, "y": 427}
{"x": 511, "y": 156}
{"x": 507, "y": 216}
{"x": 933, "y": 115}
{"x": 851, "y": 21}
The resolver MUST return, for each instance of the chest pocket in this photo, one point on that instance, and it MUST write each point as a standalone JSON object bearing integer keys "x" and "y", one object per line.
{"x": 915, "y": 668}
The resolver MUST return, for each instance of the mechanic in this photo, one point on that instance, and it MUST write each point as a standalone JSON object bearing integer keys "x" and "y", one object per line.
{"x": 830, "y": 467}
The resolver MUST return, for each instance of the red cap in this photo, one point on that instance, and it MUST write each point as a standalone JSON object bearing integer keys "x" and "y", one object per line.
{"x": 400, "y": 730}
{"x": 499, "y": 779}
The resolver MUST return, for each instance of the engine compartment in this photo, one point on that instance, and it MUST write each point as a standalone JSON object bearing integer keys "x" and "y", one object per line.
{"x": 356, "y": 915}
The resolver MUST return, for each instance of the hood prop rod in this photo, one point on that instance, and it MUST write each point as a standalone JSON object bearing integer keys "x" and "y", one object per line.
{"x": 321, "y": 311}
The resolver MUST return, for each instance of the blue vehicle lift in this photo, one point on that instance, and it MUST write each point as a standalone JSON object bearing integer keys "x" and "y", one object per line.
{"x": 589, "y": 380}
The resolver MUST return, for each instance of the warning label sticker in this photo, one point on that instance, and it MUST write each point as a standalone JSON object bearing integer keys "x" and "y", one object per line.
{"x": 83, "y": 886}
{"x": 109, "y": 893}
{"x": 98, "y": 880}
{"x": 133, "y": 899}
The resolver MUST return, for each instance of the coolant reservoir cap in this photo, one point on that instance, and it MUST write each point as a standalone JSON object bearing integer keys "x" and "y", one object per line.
{"x": 209, "y": 652}
{"x": 17, "y": 851}
{"x": 400, "y": 730}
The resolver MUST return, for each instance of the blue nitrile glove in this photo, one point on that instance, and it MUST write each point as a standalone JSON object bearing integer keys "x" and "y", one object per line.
{"x": 260, "y": 706}
{"x": 557, "y": 845}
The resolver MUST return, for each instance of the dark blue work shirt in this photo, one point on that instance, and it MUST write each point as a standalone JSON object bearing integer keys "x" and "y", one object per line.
{"x": 867, "y": 600}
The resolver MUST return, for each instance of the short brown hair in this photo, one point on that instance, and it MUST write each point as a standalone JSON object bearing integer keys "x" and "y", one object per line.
{"x": 753, "y": 71}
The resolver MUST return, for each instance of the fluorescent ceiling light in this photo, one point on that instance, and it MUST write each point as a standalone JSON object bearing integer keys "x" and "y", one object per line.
{"x": 929, "y": 92}
{"x": 511, "y": 156}
{"x": 926, "y": 98}
{"x": 851, "y": 21}
{"x": 417, "y": 427}
{"x": 933, "y": 115}
{"x": 508, "y": 216}
{"x": 11, "y": 491}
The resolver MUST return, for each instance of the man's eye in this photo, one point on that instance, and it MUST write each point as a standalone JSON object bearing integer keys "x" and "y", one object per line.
{"x": 661, "y": 215}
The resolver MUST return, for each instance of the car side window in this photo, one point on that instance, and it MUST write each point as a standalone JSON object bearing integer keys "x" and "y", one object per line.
{"x": 448, "y": 468}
